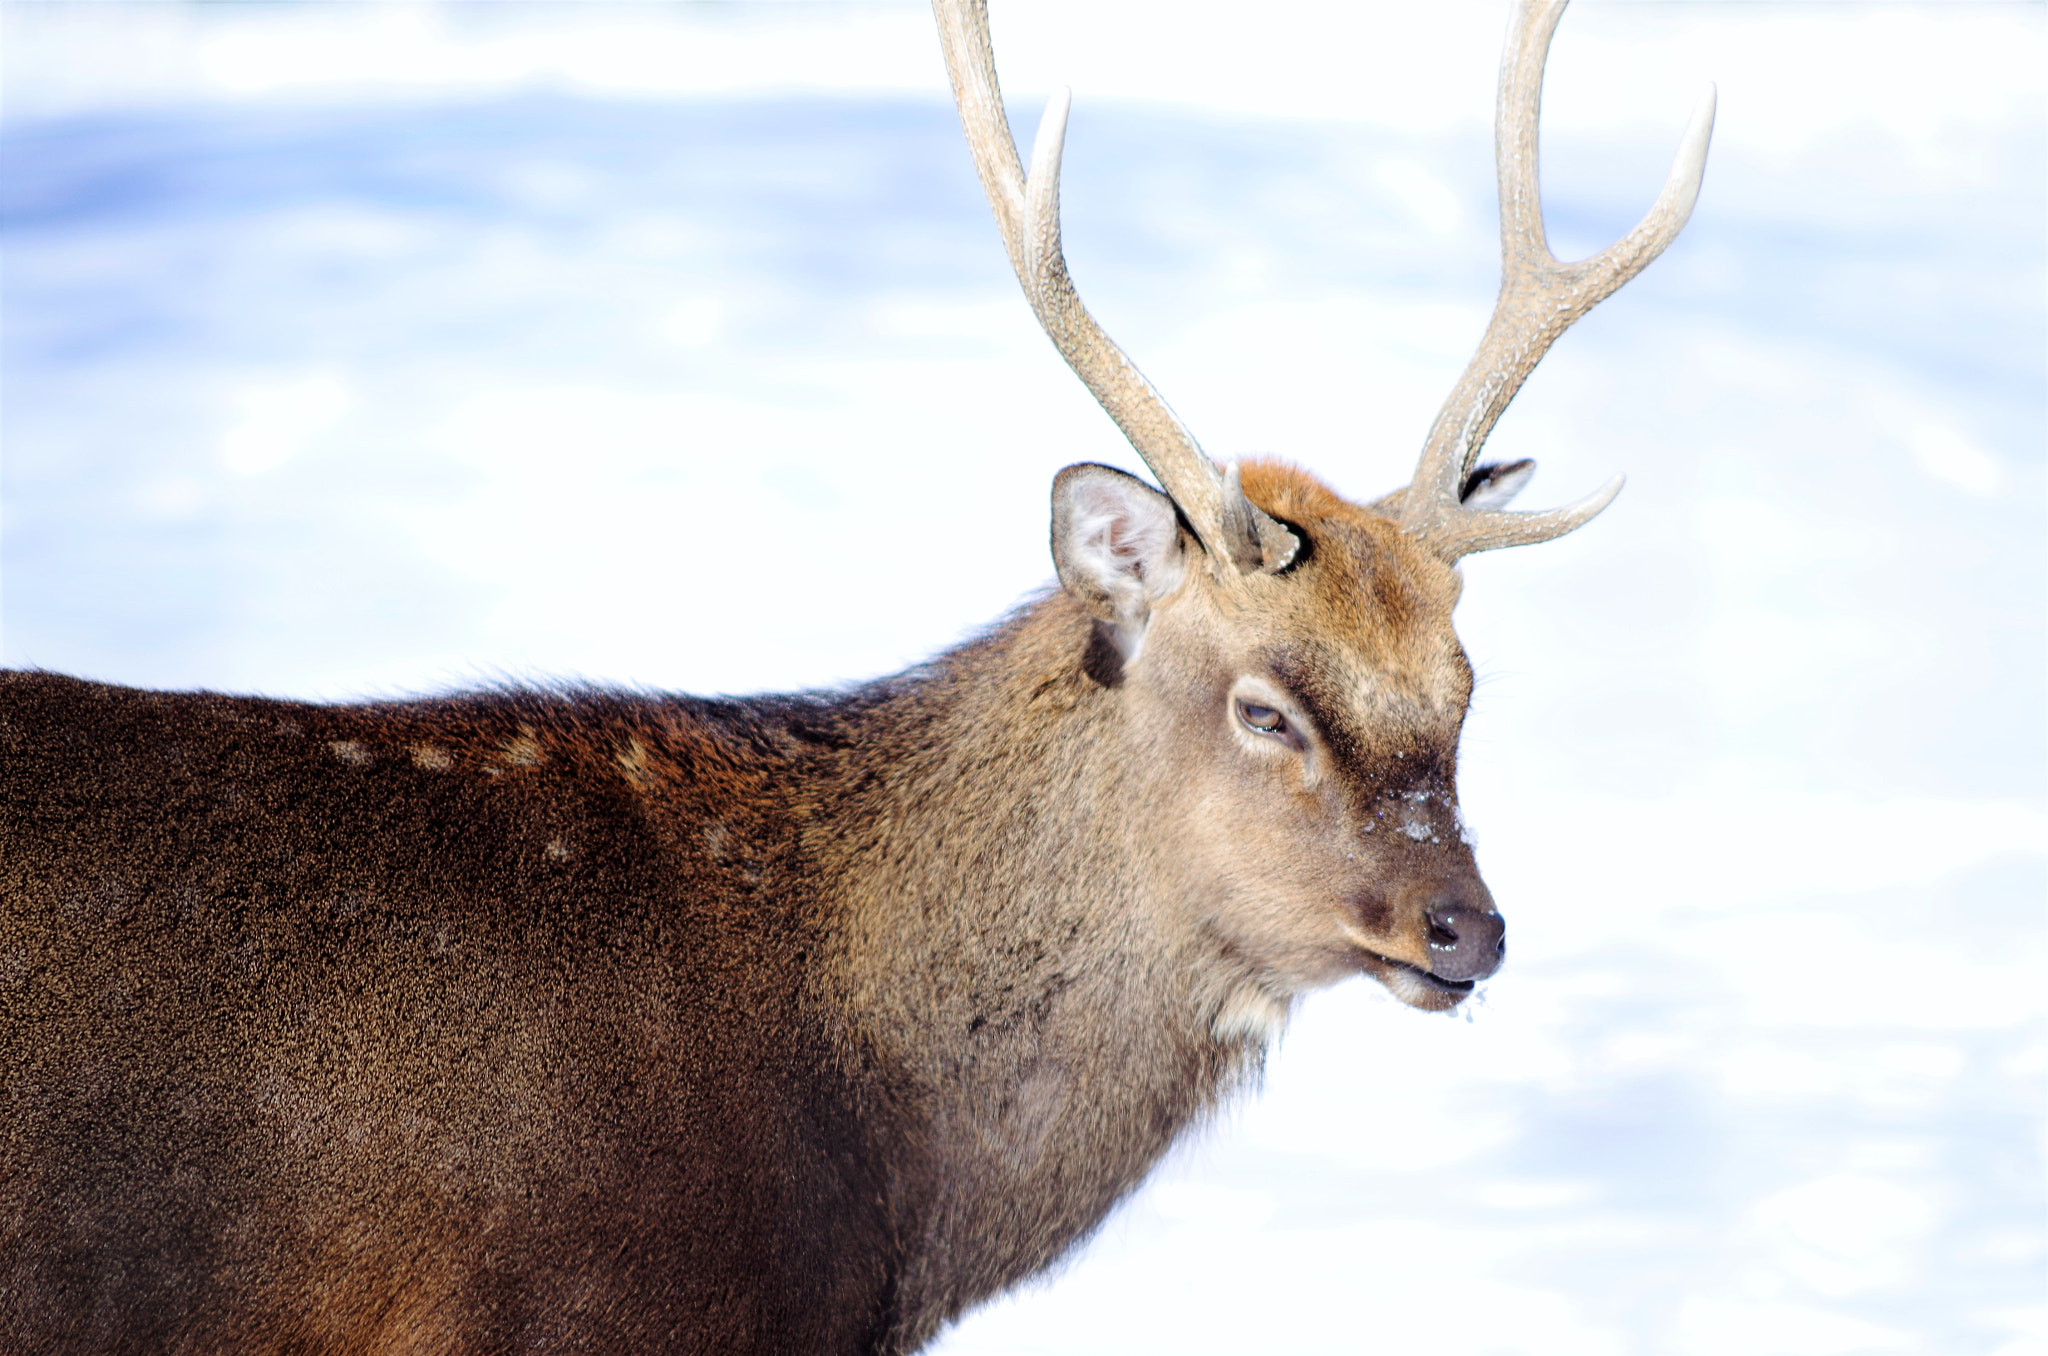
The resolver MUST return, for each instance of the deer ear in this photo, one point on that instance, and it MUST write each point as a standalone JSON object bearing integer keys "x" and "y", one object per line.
{"x": 1117, "y": 546}
{"x": 1493, "y": 485}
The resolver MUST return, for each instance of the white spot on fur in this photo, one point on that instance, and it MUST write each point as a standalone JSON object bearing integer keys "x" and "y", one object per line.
{"x": 523, "y": 751}
{"x": 431, "y": 758}
{"x": 558, "y": 850}
{"x": 632, "y": 760}
{"x": 1250, "y": 1014}
{"x": 349, "y": 751}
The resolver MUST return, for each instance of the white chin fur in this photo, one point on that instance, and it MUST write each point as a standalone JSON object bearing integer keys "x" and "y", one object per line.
{"x": 1250, "y": 1014}
{"x": 1411, "y": 988}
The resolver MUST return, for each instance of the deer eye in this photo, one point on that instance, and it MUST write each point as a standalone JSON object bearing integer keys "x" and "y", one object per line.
{"x": 1264, "y": 719}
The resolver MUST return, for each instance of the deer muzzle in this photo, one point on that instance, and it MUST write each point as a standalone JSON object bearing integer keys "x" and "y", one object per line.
{"x": 1465, "y": 942}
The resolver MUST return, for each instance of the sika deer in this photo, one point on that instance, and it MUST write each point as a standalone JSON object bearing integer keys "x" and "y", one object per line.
{"x": 573, "y": 1019}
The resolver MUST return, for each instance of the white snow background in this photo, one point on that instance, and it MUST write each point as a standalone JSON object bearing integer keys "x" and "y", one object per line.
{"x": 368, "y": 349}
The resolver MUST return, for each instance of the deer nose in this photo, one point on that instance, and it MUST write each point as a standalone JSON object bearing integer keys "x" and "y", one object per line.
{"x": 1464, "y": 942}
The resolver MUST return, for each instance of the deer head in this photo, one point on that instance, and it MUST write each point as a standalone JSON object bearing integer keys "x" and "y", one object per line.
{"x": 1292, "y": 679}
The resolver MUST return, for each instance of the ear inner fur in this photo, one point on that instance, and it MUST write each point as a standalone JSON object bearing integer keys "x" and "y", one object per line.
{"x": 1117, "y": 545}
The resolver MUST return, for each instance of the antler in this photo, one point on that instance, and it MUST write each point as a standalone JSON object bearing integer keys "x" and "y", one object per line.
{"x": 1539, "y": 300}
{"x": 1027, "y": 212}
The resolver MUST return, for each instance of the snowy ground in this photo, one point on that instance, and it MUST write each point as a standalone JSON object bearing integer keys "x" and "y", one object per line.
{"x": 373, "y": 348}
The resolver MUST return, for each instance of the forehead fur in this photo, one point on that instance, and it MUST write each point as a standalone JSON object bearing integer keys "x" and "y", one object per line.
{"x": 1377, "y": 601}
{"x": 1284, "y": 488}
{"x": 1355, "y": 552}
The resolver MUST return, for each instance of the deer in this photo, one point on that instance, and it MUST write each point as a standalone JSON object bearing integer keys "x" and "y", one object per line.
{"x": 599, "y": 1020}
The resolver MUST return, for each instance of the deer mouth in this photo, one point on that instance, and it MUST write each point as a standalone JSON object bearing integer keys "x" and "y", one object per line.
{"x": 1413, "y": 985}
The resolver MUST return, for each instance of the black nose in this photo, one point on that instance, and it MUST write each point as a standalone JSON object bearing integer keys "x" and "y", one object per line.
{"x": 1465, "y": 943}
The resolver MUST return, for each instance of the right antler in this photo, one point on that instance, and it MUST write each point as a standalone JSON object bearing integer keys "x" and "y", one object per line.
{"x": 1027, "y": 211}
{"x": 1539, "y": 300}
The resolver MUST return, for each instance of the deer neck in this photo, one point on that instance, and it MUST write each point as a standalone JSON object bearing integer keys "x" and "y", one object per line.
{"x": 988, "y": 869}
{"x": 1005, "y": 942}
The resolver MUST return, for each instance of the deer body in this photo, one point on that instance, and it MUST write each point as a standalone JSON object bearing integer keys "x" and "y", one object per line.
{"x": 514, "y": 1034}
{"x": 623, "y": 1023}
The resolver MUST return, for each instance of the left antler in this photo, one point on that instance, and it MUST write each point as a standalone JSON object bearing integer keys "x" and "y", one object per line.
{"x": 1027, "y": 209}
{"x": 1539, "y": 299}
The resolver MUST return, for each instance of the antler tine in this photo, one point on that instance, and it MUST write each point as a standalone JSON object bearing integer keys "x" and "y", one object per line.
{"x": 1539, "y": 299}
{"x": 1027, "y": 213}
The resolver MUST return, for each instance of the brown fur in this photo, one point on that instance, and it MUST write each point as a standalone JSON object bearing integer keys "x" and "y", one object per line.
{"x": 623, "y": 1023}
